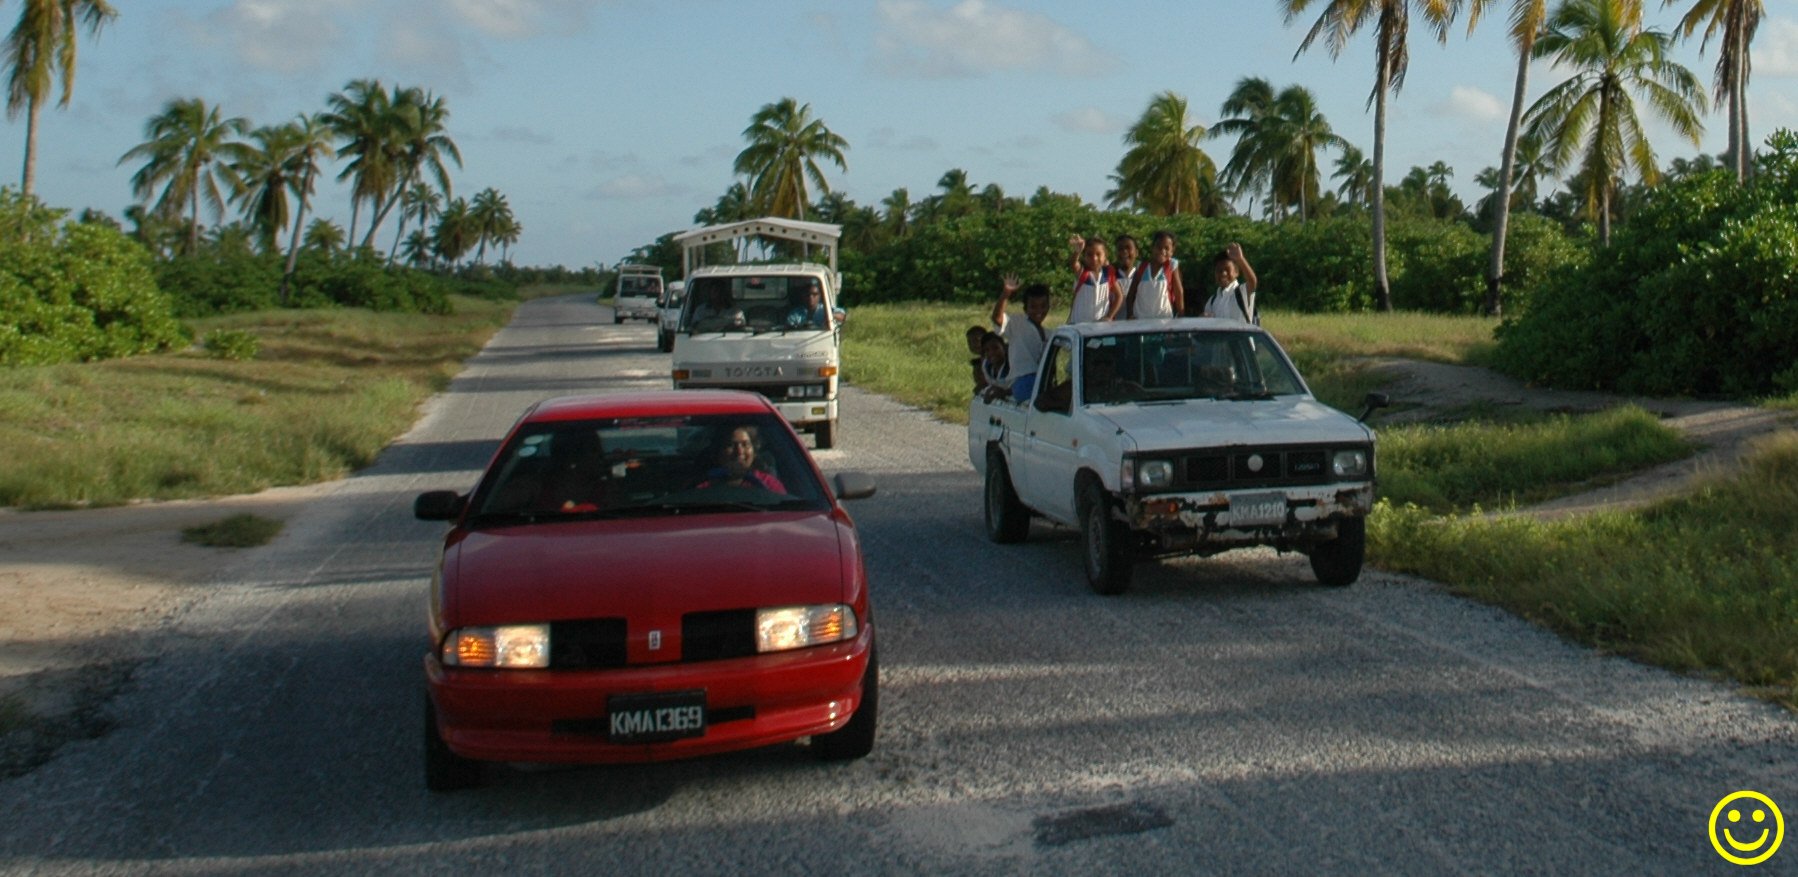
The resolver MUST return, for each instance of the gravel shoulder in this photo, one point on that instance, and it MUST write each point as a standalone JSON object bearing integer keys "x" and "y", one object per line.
{"x": 87, "y": 590}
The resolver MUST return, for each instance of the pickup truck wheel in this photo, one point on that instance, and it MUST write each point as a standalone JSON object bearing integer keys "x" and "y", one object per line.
{"x": 1007, "y": 521}
{"x": 856, "y": 738}
{"x": 1337, "y": 563}
{"x": 1104, "y": 544}
{"x": 825, "y": 436}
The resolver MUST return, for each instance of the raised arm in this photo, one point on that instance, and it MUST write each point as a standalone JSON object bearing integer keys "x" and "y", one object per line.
{"x": 1008, "y": 285}
{"x": 1247, "y": 273}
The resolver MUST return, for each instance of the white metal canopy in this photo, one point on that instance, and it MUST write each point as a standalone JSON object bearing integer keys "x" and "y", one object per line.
{"x": 822, "y": 234}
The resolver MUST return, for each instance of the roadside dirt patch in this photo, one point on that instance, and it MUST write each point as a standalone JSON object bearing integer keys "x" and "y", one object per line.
{"x": 85, "y": 592}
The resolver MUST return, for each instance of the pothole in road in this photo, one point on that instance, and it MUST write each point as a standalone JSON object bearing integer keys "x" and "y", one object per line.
{"x": 1093, "y": 822}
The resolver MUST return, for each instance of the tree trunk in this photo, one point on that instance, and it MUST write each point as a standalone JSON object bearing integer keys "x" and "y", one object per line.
{"x": 1507, "y": 168}
{"x": 30, "y": 179}
{"x": 1604, "y": 213}
{"x": 355, "y": 216}
{"x": 293, "y": 251}
{"x": 383, "y": 206}
{"x": 1738, "y": 126}
{"x": 1382, "y": 287}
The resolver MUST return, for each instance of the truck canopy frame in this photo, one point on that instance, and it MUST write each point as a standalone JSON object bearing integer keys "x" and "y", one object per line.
{"x": 820, "y": 234}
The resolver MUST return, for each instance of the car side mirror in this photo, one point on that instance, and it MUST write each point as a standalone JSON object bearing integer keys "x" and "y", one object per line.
{"x": 1374, "y": 401}
{"x": 438, "y": 505}
{"x": 853, "y": 485}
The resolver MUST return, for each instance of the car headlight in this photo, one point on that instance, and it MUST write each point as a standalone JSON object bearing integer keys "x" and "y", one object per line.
{"x": 797, "y": 627}
{"x": 1349, "y": 464}
{"x": 516, "y": 646}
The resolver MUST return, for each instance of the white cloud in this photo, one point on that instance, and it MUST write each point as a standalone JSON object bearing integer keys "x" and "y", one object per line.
{"x": 1090, "y": 120}
{"x": 285, "y": 36}
{"x": 1471, "y": 104}
{"x": 635, "y": 187}
{"x": 515, "y": 19}
{"x": 1776, "y": 52}
{"x": 977, "y": 37}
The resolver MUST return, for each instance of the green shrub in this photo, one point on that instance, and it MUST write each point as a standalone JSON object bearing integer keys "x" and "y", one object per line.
{"x": 235, "y": 344}
{"x": 208, "y": 283}
{"x": 74, "y": 291}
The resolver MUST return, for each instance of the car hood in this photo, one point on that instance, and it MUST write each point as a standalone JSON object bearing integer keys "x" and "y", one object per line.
{"x": 642, "y": 567}
{"x": 1198, "y": 423}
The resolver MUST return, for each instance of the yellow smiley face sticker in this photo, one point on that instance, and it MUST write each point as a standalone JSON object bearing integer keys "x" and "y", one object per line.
{"x": 1747, "y": 827}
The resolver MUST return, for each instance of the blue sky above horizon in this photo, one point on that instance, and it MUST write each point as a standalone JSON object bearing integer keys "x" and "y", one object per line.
{"x": 609, "y": 122}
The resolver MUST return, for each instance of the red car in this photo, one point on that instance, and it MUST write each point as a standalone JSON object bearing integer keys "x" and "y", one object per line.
{"x": 642, "y": 577}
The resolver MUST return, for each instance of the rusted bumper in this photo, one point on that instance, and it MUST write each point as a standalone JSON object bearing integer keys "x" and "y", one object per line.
{"x": 1282, "y": 517}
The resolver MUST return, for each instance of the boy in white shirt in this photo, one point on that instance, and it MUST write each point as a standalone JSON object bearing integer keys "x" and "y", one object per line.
{"x": 1024, "y": 339}
{"x": 1236, "y": 282}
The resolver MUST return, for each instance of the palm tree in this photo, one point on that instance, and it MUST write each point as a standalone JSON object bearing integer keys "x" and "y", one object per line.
{"x": 187, "y": 153}
{"x": 1592, "y": 116}
{"x": 418, "y": 248}
{"x": 363, "y": 119}
{"x": 455, "y": 232}
{"x": 324, "y": 236}
{"x": 314, "y": 143}
{"x": 785, "y": 145}
{"x": 1737, "y": 20}
{"x": 1341, "y": 19}
{"x": 897, "y": 208}
{"x": 1355, "y": 170}
{"x": 1527, "y": 20}
{"x": 1250, "y": 102}
{"x": 732, "y": 206}
{"x": 488, "y": 215}
{"x": 421, "y": 203}
{"x": 41, "y": 48}
{"x": 1295, "y": 132}
{"x": 264, "y": 177}
{"x": 418, "y": 147}
{"x": 1164, "y": 170}
{"x": 506, "y": 235}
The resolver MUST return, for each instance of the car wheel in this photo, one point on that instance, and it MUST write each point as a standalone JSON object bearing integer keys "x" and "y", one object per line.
{"x": 856, "y": 738}
{"x": 445, "y": 771}
{"x": 617, "y": 317}
{"x": 1337, "y": 563}
{"x": 825, "y": 436}
{"x": 664, "y": 341}
{"x": 1104, "y": 543}
{"x": 1007, "y": 521}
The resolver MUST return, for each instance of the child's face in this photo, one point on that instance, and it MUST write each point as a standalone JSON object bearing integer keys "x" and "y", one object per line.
{"x": 993, "y": 350}
{"x": 1094, "y": 257}
{"x": 1127, "y": 253}
{"x": 974, "y": 343}
{"x": 1162, "y": 251}
{"x": 1226, "y": 273}
{"x": 1037, "y": 309}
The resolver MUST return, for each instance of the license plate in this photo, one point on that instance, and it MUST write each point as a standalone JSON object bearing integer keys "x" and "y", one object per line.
{"x": 1249, "y": 509}
{"x": 655, "y": 718}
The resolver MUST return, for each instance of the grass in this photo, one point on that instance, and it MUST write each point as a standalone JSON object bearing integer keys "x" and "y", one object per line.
{"x": 328, "y": 390}
{"x": 1706, "y": 583}
{"x": 237, "y": 531}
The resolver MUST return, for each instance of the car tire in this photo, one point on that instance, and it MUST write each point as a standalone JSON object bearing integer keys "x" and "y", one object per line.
{"x": 445, "y": 771}
{"x": 1104, "y": 543}
{"x": 616, "y": 316}
{"x": 664, "y": 341}
{"x": 1337, "y": 563}
{"x": 856, "y": 738}
{"x": 825, "y": 435}
{"x": 1007, "y": 521}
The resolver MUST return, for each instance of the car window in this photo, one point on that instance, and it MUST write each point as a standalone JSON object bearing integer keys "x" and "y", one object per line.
{"x": 647, "y": 466}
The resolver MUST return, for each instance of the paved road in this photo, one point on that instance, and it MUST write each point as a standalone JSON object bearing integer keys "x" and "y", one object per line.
{"x": 1224, "y": 717}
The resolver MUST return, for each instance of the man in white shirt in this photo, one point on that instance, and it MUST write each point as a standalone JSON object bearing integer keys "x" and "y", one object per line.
{"x": 1236, "y": 282}
{"x": 1024, "y": 339}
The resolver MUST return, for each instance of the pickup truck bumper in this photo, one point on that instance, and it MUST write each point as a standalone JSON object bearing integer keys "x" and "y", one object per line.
{"x": 1283, "y": 517}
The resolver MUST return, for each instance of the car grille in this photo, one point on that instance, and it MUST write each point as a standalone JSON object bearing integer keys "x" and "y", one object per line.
{"x": 588, "y": 644}
{"x": 714, "y": 636}
{"x": 1237, "y": 468}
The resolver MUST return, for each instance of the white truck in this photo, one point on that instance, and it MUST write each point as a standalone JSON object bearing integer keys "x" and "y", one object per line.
{"x": 638, "y": 288}
{"x": 773, "y": 327}
{"x": 1161, "y": 438}
{"x": 668, "y": 315}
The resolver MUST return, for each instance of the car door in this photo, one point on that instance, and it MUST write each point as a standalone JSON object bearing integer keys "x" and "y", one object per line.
{"x": 1051, "y": 449}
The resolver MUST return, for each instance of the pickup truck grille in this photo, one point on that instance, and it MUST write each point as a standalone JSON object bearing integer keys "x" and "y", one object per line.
{"x": 1239, "y": 467}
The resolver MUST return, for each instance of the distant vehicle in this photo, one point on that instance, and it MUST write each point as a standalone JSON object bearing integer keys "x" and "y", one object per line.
{"x": 639, "y": 287}
{"x": 1161, "y": 438}
{"x": 645, "y": 577}
{"x": 773, "y": 328}
{"x": 669, "y": 321}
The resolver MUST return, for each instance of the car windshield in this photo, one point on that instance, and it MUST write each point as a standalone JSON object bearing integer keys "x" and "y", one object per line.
{"x": 642, "y": 467}
{"x": 639, "y": 285}
{"x": 1163, "y": 366}
{"x": 751, "y": 303}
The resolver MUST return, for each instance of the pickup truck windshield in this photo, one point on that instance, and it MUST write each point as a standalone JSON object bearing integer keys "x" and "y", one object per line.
{"x": 1162, "y": 366}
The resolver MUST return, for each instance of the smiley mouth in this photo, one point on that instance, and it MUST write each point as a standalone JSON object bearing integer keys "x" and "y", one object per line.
{"x": 1742, "y": 847}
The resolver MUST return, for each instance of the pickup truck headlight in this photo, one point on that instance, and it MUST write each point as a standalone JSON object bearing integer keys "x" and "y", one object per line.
{"x": 1349, "y": 464}
{"x": 1154, "y": 474}
{"x": 796, "y": 627}
{"x": 516, "y": 646}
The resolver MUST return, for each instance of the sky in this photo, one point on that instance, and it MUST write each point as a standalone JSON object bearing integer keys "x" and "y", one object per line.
{"x": 607, "y": 123}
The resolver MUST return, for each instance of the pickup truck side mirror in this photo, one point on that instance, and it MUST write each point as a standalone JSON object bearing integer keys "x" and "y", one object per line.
{"x": 853, "y": 485}
{"x": 438, "y": 505}
{"x": 1374, "y": 401}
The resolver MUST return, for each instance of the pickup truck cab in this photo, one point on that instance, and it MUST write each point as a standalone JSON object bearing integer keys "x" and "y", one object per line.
{"x": 668, "y": 320}
{"x": 771, "y": 327}
{"x": 1161, "y": 438}
{"x": 639, "y": 286}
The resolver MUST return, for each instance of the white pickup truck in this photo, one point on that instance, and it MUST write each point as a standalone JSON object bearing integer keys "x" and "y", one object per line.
{"x": 1160, "y": 438}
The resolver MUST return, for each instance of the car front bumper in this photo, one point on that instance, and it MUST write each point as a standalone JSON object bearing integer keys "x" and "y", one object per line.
{"x": 560, "y": 716}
